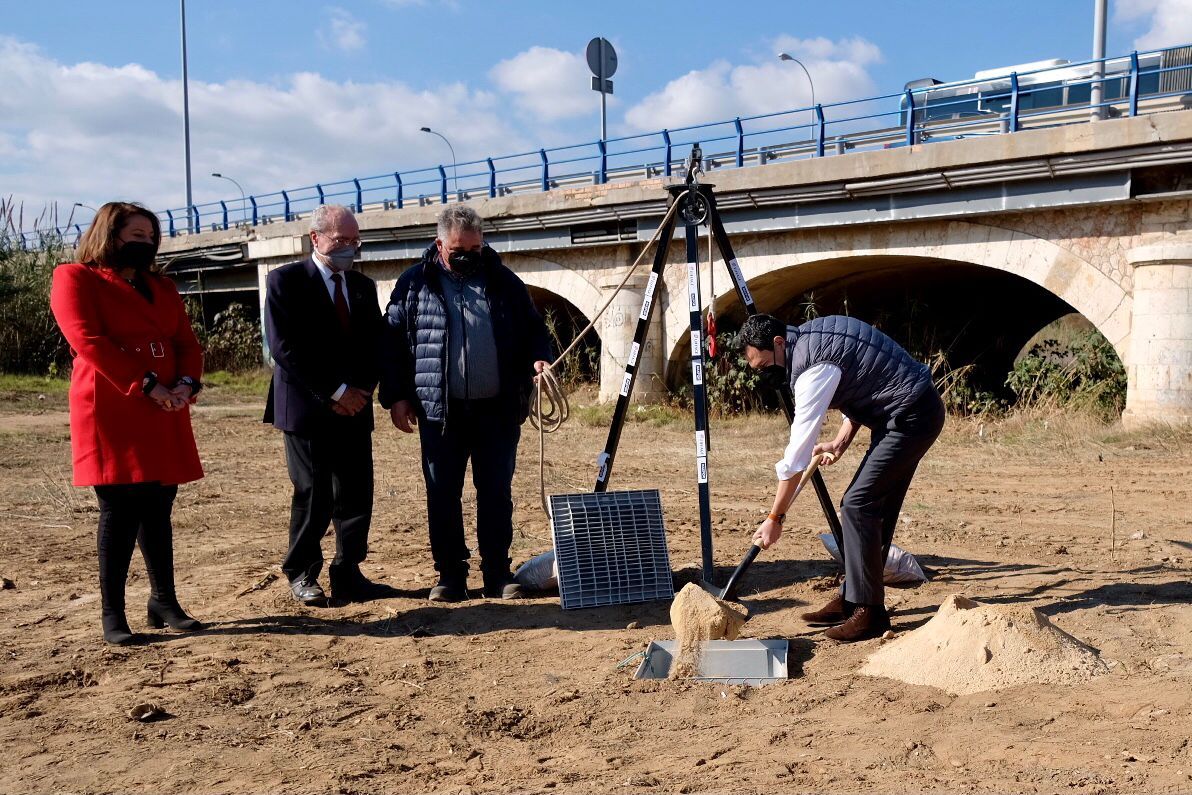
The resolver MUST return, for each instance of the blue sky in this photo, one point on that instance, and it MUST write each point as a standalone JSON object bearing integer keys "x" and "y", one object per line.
{"x": 288, "y": 93}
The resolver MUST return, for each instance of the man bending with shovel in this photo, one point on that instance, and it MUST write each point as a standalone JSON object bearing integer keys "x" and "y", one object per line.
{"x": 843, "y": 363}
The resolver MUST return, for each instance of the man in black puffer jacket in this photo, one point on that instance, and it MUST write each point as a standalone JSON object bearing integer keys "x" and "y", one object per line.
{"x": 843, "y": 363}
{"x": 461, "y": 348}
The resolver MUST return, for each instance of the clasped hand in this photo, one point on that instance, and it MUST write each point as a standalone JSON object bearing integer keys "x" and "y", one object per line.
{"x": 179, "y": 397}
{"x": 351, "y": 402}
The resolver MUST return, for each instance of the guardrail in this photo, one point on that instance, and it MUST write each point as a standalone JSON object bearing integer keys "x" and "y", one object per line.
{"x": 1139, "y": 83}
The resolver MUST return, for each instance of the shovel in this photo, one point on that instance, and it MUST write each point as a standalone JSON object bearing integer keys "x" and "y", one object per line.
{"x": 729, "y": 589}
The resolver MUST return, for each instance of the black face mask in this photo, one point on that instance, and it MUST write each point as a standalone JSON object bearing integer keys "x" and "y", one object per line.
{"x": 465, "y": 263}
{"x": 773, "y": 376}
{"x": 136, "y": 254}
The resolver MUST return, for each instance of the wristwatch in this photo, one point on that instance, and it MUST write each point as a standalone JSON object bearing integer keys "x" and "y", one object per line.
{"x": 149, "y": 382}
{"x": 777, "y": 517}
{"x": 195, "y": 386}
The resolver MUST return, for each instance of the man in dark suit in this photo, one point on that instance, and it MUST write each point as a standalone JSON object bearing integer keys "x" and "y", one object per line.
{"x": 322, "y": 324}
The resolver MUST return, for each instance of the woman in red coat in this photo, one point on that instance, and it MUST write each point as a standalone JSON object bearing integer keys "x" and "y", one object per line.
{"x": 136, "y": 371}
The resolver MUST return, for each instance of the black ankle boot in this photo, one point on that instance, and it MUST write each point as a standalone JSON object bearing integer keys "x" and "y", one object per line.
{"x": 115, "y": 629}
{"x": 167, "y": 611}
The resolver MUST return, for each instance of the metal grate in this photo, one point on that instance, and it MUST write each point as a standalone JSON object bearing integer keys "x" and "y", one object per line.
{"x": 610, "y": 548}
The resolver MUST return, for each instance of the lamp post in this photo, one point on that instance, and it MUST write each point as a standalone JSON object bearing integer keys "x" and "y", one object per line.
{"x": 74, "y": 207}
{"x": 243, "y": 201}
{"x": 454, "y": 171}
{"x": 1097, "y": 87}
{"x": 186, "y": 122}
{"x": 782, "y": 56}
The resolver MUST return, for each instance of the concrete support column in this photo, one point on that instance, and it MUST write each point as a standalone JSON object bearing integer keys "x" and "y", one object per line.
{"x": 1159, "y": 376}
{"x": 616, "y": 337}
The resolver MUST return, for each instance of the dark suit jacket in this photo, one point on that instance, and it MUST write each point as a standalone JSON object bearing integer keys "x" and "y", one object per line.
{"x": 312, "y": 353}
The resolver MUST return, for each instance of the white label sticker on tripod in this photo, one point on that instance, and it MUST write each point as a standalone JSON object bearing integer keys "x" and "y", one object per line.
{"x": 634, "y": 349}
{"x": 701, "y": 469}
{"x": 701, "y": 444}
{"x": 628, "y": 382}
{"x": 739, "y": 278}
{"x": 650, "y": 285}
{"x": 692, "y": 287}
{"x": 697, "y": 345}
{"x": 697, "y": 372}
{"x": 602, "y": 466}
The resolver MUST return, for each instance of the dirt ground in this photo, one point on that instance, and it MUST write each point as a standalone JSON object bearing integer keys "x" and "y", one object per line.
{"x": 400, "y": 695}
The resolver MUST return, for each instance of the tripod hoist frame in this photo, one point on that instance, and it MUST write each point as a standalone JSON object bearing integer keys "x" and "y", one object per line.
{"x": 699, "y": 207}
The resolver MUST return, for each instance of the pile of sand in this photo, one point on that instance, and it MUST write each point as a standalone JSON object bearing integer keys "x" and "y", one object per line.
{"x": 697, "y": 617}
{"x": 969, "y": 647}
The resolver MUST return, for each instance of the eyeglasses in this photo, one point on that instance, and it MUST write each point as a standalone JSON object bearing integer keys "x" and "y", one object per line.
{"x": 354, "y": 242}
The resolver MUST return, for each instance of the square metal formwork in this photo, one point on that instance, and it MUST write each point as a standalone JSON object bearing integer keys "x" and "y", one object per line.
{"x": 610, "y": 548}
{"x": 729, "y": 662}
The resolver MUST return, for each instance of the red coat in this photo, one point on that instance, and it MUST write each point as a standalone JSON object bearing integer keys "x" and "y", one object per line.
{"x": 117, "y": 434}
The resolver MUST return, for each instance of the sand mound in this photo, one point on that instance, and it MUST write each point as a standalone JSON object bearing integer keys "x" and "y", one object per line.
{"x": 969, "y": 647}
{"x": 697, "y": 616}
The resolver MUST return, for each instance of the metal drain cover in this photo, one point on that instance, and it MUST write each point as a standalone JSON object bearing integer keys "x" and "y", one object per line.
{"x": 610, "y": 548}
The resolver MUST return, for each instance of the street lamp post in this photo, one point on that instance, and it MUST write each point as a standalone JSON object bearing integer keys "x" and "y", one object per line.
{"x": 454, "y": 171}
{"x": 1097, "y": 87}
{"x": 243, "y": 201}
{"x": 186, "y": 122}
{"x": 782, "y": 56}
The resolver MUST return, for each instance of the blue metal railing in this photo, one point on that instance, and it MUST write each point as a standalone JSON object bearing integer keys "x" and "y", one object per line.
{"x": 992, "y": 105}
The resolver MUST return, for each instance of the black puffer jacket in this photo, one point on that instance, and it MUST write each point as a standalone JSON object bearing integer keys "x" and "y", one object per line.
{"x": 414, "y": 365}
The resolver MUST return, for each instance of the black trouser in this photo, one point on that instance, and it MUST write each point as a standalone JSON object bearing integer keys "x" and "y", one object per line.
{"x": 483, "y": 431}
{"x": 332, "y": 473}
{"x": 869, "y": 510}
{"x": 128, "y": 514}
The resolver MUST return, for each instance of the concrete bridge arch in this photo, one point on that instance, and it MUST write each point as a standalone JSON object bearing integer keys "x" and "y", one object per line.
{"x": 778, "y": 269}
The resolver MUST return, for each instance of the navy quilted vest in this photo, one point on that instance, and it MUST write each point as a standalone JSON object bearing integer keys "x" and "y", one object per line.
{"x": 879, "y": 379}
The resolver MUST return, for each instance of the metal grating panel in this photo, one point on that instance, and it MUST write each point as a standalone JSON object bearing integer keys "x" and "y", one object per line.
{"x": 610, "y": 548}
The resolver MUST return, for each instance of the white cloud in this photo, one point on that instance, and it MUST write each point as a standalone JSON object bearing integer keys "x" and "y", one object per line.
{"x": 92, "y": 133}
{"x": 1170, "y": 21}
{"x": 342, "y": 31}
{"x": 722, "y": 90}
{"x": 546, "y": 83}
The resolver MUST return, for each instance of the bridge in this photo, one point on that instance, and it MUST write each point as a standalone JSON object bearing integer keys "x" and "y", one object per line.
{"x": 1007, "y": 220}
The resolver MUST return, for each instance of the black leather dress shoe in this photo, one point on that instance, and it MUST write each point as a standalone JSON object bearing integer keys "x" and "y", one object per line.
{"x": 502, "y": 586}
{"x": 450, "y": 588}
{"x": 350, "y": 585}
{"x": 307, "y": 590}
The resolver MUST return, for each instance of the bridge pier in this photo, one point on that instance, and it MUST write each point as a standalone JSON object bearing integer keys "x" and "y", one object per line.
{"x": 616, "y": 337}
{"x": 1159, "y": 376}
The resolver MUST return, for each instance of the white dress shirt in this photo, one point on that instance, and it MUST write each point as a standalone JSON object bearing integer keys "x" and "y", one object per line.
{"x": 327, "y": 273}
{"x": 813, "y": 392}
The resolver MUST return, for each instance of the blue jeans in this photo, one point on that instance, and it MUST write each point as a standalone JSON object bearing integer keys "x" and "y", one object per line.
{"x": 478, "y": 430}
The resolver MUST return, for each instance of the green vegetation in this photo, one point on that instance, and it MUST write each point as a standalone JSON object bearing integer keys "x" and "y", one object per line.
{"x": 233, "y": 342}
{"x": 1084, "y": 374}
{"x": 29, "y": 338}
{"x": 249, "y": 384}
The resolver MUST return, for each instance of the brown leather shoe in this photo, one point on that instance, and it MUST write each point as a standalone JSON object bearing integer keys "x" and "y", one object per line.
{"x": 866, "y": 622}
{"x": 831, "y": 613}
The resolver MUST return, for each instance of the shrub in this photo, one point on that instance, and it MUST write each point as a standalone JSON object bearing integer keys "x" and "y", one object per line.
{"x": 731, "y": 383}
{"x": 580, "y": 366}
{"x": 233, "y": 343}
{"x": 1085, "y": 374}
{"x": 30, "y": 341}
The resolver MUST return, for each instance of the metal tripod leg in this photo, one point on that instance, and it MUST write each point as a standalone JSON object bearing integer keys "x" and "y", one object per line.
{"x": 605, "y": 462}
{"x": 699, "y": 395}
